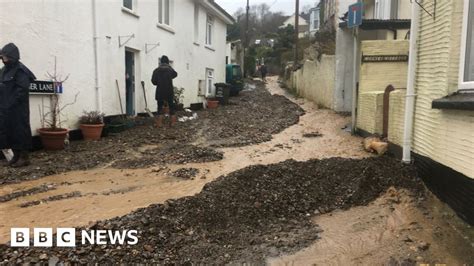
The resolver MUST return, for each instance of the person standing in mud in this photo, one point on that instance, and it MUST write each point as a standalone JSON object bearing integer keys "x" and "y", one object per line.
{"x": 163, "y": 80}
{"x": 15, "y": 79}
{"x": 263, "y": 72}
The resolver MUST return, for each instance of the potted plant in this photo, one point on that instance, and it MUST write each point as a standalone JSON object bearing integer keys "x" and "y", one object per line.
{"x": 178, "y": 98}
{"x": 52, "y": 134}
{"x": 212, "y": 103}
{"x": 91, "y": 124}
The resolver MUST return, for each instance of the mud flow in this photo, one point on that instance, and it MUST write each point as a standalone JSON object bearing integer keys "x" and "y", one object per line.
{"x": 267, "y": 179}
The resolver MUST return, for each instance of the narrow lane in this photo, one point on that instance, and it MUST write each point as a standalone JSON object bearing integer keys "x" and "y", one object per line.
{"x": 106, "y": 192}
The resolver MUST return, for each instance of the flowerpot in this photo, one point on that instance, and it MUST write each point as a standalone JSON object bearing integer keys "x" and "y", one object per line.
{"x": 116, "y": 128}
{"x": 179, "y": 107}
{"x": 91, "y": 132}
{"x": 53, "y": 139}
{"x": 212, "y": 104}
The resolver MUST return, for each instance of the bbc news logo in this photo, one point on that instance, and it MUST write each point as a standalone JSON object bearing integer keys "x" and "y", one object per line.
{"x": 66, "y": 237}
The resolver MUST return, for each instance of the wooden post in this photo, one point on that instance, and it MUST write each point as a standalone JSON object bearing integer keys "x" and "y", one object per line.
{"x": 297, "y": 15}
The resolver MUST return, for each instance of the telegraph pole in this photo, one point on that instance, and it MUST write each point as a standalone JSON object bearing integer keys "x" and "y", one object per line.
{"x": 297, "y": 15}
{"x": 246, "y": 41}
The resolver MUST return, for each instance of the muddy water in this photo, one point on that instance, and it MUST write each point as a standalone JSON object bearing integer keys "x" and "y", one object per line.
{"x": 393, "y": 226}
{"x": 106, "y": 193}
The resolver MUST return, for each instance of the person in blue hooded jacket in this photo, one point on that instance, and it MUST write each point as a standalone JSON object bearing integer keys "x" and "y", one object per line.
{"x": 15, "y": 130}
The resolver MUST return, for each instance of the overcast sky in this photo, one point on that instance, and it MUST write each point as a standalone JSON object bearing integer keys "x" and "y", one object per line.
{"x": 286, "y": 6}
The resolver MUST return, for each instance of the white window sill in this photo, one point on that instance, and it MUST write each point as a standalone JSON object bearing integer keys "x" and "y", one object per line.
{"x": 130, "y": 12}
{"x": 196, "y": 43}
{"x": 165, "y": 27}
{"x": 210, "y": 48}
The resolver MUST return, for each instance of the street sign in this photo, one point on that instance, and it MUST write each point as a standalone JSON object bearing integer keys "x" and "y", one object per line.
{"x": 355, "y": 15}
{"x": 45, "y": 87}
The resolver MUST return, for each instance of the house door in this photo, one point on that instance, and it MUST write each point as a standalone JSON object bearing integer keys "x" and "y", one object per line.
{"x": 209, "y": 82}
{"x": 130, "y": 82}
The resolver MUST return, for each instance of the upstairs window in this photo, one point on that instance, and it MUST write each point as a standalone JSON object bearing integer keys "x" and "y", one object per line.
{"x": 209, "y": 30}
{"x": 128, "y": 4}
{"x": 466, "y": 73}
{"x": 164, "y": 7}
{"x": 196, "y": 23}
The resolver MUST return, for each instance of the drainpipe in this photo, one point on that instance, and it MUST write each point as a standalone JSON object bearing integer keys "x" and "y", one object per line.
{"x": 410, "y": 96}
{"x": 354, "y": 81}
{"x": 96, "y": 59}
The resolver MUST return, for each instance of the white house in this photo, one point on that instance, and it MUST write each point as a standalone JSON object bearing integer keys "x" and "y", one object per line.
{"x": 303, "y": 25}
{"x": 314, "y": 21}
{"x": 97, "y": 42}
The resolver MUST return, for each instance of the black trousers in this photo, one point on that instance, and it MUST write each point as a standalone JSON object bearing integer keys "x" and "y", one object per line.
{"x": 171, "y": 105}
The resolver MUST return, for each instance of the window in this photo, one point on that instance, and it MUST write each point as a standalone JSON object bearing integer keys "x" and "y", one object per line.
{"x": 164, "y": 14}
{"x": 128, "y": 4}
{"x": 209, "y": 80}
{"x": 196, "y": 23}
{"x": 394, "y": 9}
{"x": 209, "y": 30}
{"x": 466, "y": 73}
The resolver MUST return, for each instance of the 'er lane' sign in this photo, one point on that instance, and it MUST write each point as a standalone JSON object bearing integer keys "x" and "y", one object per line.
{"x": 45, "y": 87}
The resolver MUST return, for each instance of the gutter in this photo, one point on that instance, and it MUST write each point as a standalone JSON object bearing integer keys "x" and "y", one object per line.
{"x": 410, "y": 94}
{"x": 218, "y": 11}
{"x": 98, "y": 92}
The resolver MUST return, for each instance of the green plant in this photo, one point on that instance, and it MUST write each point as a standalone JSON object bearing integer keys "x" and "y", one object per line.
{"x": 92, "y": 118}
{"x": 178, "y": 95}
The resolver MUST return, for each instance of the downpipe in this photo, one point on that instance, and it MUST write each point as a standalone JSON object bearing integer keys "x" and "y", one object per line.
{"x": 410, "y": 94}
{"x": 98, "y": 92}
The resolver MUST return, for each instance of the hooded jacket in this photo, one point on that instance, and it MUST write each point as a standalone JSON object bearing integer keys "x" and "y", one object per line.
{"x": 163, "y": 80}
{"x": 15, "y": 79}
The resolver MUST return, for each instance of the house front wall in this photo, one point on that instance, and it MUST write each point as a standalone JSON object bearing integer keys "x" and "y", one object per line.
{"x": 44, "y": 30}
{"x": 446, "y": 136}
{"x": 189, "y": 54}
{"x": 374, "y": 79}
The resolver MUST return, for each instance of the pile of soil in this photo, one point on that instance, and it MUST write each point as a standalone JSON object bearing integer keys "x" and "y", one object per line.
{"x": 252, "y": 117}
{"x": 312, "y": 135}
{"x": 246, "y": 216}
{"x": 73, "y": 194}
{"x": 172, "y": 154}
{"x": 31, "y": 191}
{"x": 186, "y": 173}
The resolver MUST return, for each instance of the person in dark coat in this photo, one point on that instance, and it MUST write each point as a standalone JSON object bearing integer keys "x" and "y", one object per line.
{"x": 15, "y": 79}
{"x": 263, "y": 72}
{"x": 163, "y": 80}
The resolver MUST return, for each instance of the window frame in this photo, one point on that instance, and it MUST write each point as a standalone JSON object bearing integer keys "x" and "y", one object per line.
{"x": 462, "y": 61}
{"x": 132, "y": 2}
{"x": 196, "y": 23}
{"x": 209, "y": 30}
{"x": 162, "y": 13}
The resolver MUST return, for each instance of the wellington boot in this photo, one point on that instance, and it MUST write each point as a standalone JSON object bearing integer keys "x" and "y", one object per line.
{"x": 159, "y": 121}
{"x": 173, "y": 121}
{"x": 24, "y": 160}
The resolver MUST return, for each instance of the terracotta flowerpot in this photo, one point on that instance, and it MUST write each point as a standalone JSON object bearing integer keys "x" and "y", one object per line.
{"x": 91, "y": 132}
{"x": 212, "y": 104}
{"x": 53, "y": 139}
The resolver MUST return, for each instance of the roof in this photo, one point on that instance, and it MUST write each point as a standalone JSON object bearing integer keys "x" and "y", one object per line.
{"x": 305, "y": 16}
{"x": 229, "y": 19}
{"x": 381, "y": 24}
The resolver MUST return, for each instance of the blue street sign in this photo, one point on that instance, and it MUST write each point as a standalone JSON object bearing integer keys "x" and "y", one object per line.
{"x": 355, "y": 15}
